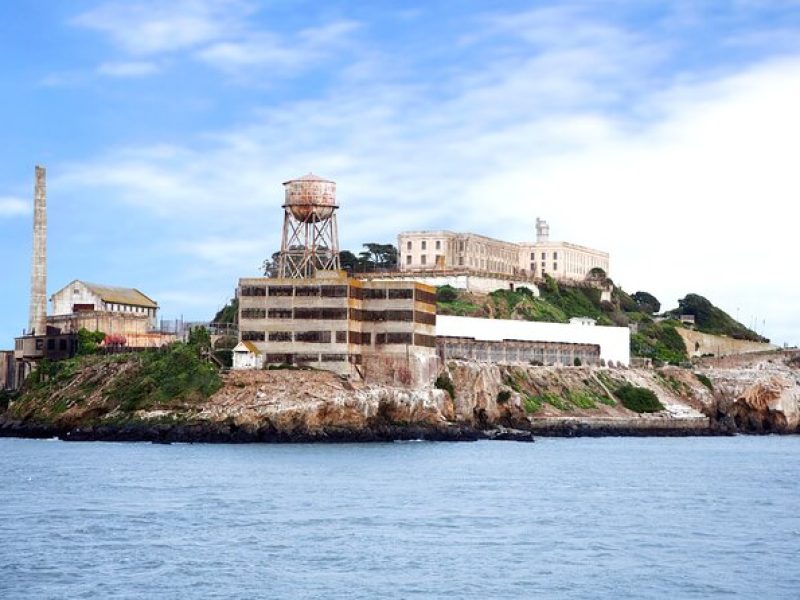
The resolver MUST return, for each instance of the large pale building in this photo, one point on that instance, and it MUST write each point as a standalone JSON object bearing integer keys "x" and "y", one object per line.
{"x": 116, "y": 311}
{"x": 441, "y": 251}
{"x": 382, "y": 331}
{"x": 314, "y": 315}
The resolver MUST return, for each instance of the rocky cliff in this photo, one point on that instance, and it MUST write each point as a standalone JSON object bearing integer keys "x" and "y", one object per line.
{"x": 476, "y": 400}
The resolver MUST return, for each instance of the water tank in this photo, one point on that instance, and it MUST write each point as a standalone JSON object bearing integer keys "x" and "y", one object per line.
{"x": 310, "y": 198}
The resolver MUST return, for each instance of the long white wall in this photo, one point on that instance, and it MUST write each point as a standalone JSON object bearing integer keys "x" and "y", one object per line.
{"x": 614, "y": 342}
{"x": 471, "y": 283}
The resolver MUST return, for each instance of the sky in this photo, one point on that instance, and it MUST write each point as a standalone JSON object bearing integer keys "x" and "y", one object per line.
{"x": 667, "y": 133}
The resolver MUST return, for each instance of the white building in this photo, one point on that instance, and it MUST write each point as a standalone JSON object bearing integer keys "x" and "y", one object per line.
{"x": 447, "y": 251}
{"x": 614, "y": 342}
{"x": 247, "y": 356}
{"x": 83, "y": 297}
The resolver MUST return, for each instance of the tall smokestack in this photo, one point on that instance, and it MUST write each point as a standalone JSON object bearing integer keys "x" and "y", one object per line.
{"x": 37, "y": 320}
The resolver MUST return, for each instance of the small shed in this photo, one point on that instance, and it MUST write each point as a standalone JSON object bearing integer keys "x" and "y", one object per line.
{"x": 247, "y": 356}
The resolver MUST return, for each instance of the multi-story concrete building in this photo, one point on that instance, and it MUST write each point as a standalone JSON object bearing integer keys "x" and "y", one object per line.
{"x": 314, "y": 315}
{"x": 376, "y": 330}
{"x": 446, "y": 251}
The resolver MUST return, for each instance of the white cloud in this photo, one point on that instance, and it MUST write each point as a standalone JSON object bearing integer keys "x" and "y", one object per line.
{"x": 148, "y": 27}
{"x": 215, "y": 32}
{"x": 689, "y": 183}
{"x": 13, "y": 207}
{"x": 128, "y": 69}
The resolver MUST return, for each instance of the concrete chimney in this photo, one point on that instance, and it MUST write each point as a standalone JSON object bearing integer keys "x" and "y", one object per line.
{"x": 37, "y": 320}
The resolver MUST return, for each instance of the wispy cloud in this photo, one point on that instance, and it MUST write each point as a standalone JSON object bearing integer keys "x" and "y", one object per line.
{"x": 218, "y": 33}
{"x": 568, "y": 117}
{"x": 149, "y": 27}
{"x": 13, "y": 207}
{"x": 128, "y": 69}
{"x": 283, "y": 52}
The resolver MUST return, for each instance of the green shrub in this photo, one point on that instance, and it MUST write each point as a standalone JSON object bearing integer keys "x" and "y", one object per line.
{"x": 582, "y": 399}
{"x": 503, "y": 396}
{"x": 638, "y": 399}
{"x": 446, "y": 293}
{"x": 89, "y": 341}
{"x": 556, "y": 401}
{"x": 6, "y": 397}
{"x": 577, "y": 362}
{"x": 703, "y": 378}
{"x": 532, "y": 404}
{"x": 168, "y": 375}
{"x": 443, "y": 382}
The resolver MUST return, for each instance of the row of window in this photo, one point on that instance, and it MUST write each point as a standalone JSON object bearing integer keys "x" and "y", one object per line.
{"x": 544, "y": 255}
{"x": 341, "y": 337}
{"x": 328, "y": 291}
{"x": 423, "y": 245}
{"x": 340, "y": 314}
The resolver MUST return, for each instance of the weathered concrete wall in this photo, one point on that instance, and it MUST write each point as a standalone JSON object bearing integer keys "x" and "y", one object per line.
{"x": 133, "y": 326}
{"x": 477, "y": 284}
{"x": 410, "y": 369}
{"x": 6, "y": 370}
{"x": 698, "y": 344}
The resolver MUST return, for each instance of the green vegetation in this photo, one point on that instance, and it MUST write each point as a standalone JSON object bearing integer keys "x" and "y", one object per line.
{"x": 172, "y": 375}
{"x": 660, "y": 342}
{"x": 532, "y": 404}
{"x": 6, "y": 398}
{"x": 703, "y": 378}
{"x": 228, "y": 314}
{"x": 710, "y": 319}
{"x": 557, "y": 303}
{"x": 646, "y": 303}
{"x": 556, "y": 401}
{"x": 446, "y": 294}
{"x": 199, "y": 338}
{"x": 443, "y": 382}
{"x": 574, "y": 301}
{"x": 503, "y": 396}
{"x": 675, "y": 385}
{"x": 374, "y": 257}
{"x": 581, "y": 399}
{"x": 89, "y": 341}
{"x": 638, "y": 399}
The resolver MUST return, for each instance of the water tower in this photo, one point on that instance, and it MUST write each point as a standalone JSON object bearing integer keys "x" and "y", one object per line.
{"x": 310, "y": 240}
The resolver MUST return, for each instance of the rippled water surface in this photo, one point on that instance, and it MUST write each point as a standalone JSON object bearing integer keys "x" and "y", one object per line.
{"x": 580, "y": 518}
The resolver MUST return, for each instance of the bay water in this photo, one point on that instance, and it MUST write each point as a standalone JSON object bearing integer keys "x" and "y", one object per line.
{"x": 559, "y": 518}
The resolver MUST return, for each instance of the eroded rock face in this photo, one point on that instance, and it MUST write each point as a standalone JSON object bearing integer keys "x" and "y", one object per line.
{"x": 483, "y": 399}
{"x": 489, "y": 398}
{"x": 316, "y": 402}
{"x": 759, "y": 401}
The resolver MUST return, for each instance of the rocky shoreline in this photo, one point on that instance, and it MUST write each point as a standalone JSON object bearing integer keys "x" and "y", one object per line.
{"x": 220, "y": 433}
{"x": 478, "y": 401}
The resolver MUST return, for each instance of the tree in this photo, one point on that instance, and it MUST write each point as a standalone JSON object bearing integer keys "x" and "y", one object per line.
{"x": 646, "y": 302}
{"x": 374, "y": 257}
{"x": 270, "y": 265}
{"x": 348, "y": 260}
{"x": 200, "y": 338}
{"x": 446, "y": 293}
{"x": 379, "y": 256}
{"x": 228, "y": 313}
{"x": 89, "y": 341}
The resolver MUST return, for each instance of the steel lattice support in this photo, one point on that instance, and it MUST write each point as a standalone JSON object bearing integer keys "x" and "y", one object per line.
{"x": 308, "y": 246}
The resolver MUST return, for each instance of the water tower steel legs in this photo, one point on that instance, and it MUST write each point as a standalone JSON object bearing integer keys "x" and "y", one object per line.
{"x": 308, "y": 247}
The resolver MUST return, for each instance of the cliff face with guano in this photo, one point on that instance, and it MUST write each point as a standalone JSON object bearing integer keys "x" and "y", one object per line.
{"x": 473, "y": 400}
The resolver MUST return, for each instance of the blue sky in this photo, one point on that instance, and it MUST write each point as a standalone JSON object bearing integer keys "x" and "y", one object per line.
{"x": 667, "y": 133}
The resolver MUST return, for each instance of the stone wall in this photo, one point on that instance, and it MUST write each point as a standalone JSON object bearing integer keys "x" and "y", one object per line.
{"x": 699, "y": 344}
